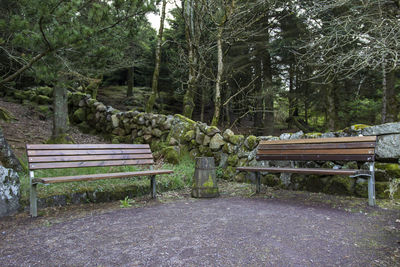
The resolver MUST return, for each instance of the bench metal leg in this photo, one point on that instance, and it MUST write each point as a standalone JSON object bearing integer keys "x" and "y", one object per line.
{"x": 33, "y": 196}
{"x": 153, "y": 186}
{"x": 371, "y": 185}
{"x": 258, "y": 182}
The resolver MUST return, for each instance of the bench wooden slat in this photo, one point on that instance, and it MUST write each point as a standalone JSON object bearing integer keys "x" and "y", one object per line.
{"x": 89, "y": 158}
{"x": 321, "y": 140}
{"x": 84, "y": 146}
{"x": 365, "y": 151}
{"x": 60, "y": 165}
{"x": 87, "y": 152}
{"x": 92, "y": 177}
{"x": 318, "y": 157}
{"x": 318, "y": 146}
{"x": 303, "y": 170}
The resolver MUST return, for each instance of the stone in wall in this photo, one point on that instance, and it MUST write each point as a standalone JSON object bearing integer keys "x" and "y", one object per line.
{"x": 9, "y": 191}
{"x": 383, "y": 129}
{"x": 388, "y": 147}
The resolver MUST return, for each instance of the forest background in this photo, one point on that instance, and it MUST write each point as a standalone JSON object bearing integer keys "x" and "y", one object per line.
{"x": 260, "y": 67}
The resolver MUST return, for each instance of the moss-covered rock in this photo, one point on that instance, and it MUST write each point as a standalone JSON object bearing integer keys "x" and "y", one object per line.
{"x": 227, "y": 134}
{"x": 45, "y": 109}
{"x": 340, "y": 185}
{"x": 233, "y": 159}
{"x": 44, "y": 90}
{"x": 229, "y": 173}
{"x": 393, "y": 170}
{"x": 251, "y": 142}
{"x": 79, "y": 115}
{"x": 359, "y": 127}
{"x": 205, "y": 151}
{"x": 350, "y": 165}
{"x": 236, "y": 139}
{"x": 171, "y": 155}
{"x": 189, "y": 135}
{"x": 212, "y": 130}
{"x": 240, "y": 177}
{"x": 42, "y": 100}
{"x": 313, "y": 135}
{"x": 216, "y": 142}
{"x": 270, "y": 180}
{"x": 85, "y": 128}
{"x": 228, "y": 148}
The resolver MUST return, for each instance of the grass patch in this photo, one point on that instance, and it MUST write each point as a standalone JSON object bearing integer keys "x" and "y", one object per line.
{"x": 182, "y": 177}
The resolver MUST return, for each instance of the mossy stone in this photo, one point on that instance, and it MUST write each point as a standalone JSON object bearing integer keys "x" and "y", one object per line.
{"x": 340, "y": 185}
{"x": 189, "y": 135}
{"x": 313, "y": 135}
{"x": 85, "y": 128}
{"x": 270, "y": 180}
{"x": 211, "y": 130}
{"x": 358, "y": 127}
{"x": 205, "y": 151}
{"x": 392, "y": 169}
{"x": 236, "y": 139}
{"x": 45, "y": 90}
{"x": 79, "y": 115}
{"x": 170, "y": 155}
{"x": 42, "y": 99}
{"x": 350, "y": 165}
{"x": 251, "y": 142}
{"x": 228, "y": 148}
{"x": 43, "y": 109}
{"x": 229, "y": 173}
{"x": 233, "y": 160}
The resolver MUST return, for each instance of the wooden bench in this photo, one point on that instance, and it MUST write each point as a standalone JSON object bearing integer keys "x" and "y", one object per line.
{"x": 322, "y": 149}
{"x": 87, "y": 155}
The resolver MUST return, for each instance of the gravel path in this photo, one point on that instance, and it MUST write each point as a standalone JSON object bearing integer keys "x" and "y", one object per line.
{"x": 216, "y": 232}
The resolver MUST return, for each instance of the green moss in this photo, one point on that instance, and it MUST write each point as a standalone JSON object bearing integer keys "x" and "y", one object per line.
{"x": 236, "y": 139}
{"x": 251, "y": 142}
{"x": 209, "y": 182}
{"x": 270, "y": 180}
{"x": 313, "y": 135}
{"x": 229, "y": 173}
{"x": 79, "y": 115}
{"x": 42, "y": 99}
{"x": 43, "y": 109}
{"x": 340, "y": 185}
{"x": 212, "y": 130}
{"x": 357, "y": 127}
{"x": 185, "y": 119}
{"x": 233, "y": 160}
{"x": 61, "y": 139}
{"x": 205, "y": 151}
{"x": 170, "y": 155}
{"x": 189, "y": 135}
{"x": 45, "y": 90}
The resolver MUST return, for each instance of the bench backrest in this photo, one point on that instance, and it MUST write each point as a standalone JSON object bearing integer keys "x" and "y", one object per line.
{"x": 360, "y": 148}
{"x": 87, "y": 155}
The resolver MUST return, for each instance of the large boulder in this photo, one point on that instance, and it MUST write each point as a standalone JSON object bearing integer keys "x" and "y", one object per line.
{"x": 9, "y": 191}
{"x": 387, "y": 128}
{"x": 388, "y": 147}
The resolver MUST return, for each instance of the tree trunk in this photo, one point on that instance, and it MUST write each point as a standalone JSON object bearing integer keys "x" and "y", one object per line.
{"x": 7, "y": 156}
{"x": 188, "y": 101}
{"x": 203, "y": 103}
{"x": 269, "y": 120}
{"x": 156, "y": 74}
{"x": 130, "y": 79}
{"x": 392, "y": 105}
{"x": 60, "y": 118}
{"x": 291, "y": 97}
{"x": 330, "y": 107}
{"x": 218, "y": 84}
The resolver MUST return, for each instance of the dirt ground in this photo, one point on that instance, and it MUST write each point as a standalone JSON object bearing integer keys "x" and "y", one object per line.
{"x": 32, "y": 127}
{"x": 275, "y": 228}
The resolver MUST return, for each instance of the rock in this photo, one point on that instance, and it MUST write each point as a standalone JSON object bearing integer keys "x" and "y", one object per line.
{"x": 180, "y": 126}
{"x": 383, "y": 129}
{"x": 206, "y": 140}
{"x": 43, "y": 100}
{"x": 173, "y": 142}
{"x": 147, "y": 138}
{"x": 328, "y": 135}
{"x": 202, "y": 126}
{"x": 229, "y": 173}
{"x": 171, "y": 155}
{"x": 270, "y": 180}
{"x": 350, "y": 165}
{"x": 79, "y": 115}
{"x": 233, "y": 160}
{"x": 236, "y": 139}
{"x": 229, "y": 148}
{"x": 157, "y": 132}
{"x": 297, "y": 135}
{"x": 285, "y": 136}
{"x": 223, "y": 160}
{"x": 101, "y": 107}
{"x": 190, "y": 135}
{"x": 199, "y": 136}
{"x": 251, "y": 142}
{"x": 9, "y": 191}
{"x": 211, "y": 130}
{"x": 140, "y": 119}
{"x": 44, "y": 90}
{"x": 388, "y": 147}
{"x": 227, "y": 134}
{"x": 340, "y": 185}
{"x": 205, "y": 151}
{"x": 194, "y": 153}
{"x": 216, "y": 142}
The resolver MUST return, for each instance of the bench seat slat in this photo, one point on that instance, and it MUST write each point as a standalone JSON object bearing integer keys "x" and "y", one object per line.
{"x": 322, "y": 140}
{"x": 87, "y": 152}
{"x": 318, "y": 146}
{"x": 89, "y": 158}
{"x": 304, "y": 157}
{"x": 60, "y": 165}
{"x": 92, "y": 177}
{"x": 84, "y": 146}
{"x": 303, "y": 170}
{"x": 362, "y": 151}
